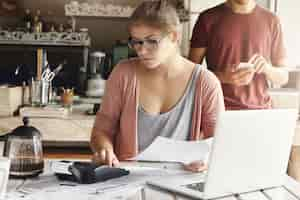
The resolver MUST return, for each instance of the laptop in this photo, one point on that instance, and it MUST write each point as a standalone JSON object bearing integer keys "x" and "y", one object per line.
{"x": 250, "y": 152}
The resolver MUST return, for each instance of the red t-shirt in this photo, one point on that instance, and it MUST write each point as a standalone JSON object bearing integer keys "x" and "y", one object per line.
{"x": 231, "y": 38}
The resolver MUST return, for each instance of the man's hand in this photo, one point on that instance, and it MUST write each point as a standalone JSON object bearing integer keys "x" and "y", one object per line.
{"x": 106, "y": 157}
{"x": 196, "y": 166}
{"x": 238, "y": 77}
{"x": 261, "y": 65}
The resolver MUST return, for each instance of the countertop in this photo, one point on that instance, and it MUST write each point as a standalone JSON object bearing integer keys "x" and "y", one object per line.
{"x": 72, "y": 131}
{"x": 76, "y": 129}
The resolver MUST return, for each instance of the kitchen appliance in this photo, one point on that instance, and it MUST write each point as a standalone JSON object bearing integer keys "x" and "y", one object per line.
{"x": 23, "y": 146}
{"x": 95, "y": 82}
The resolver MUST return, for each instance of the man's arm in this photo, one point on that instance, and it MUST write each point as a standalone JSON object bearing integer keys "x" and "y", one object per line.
{"x": 277, "y": 74}
{"x": 242, "y": 77}
{"x": 197, "y": 55}
{"x": 274, "y": 73}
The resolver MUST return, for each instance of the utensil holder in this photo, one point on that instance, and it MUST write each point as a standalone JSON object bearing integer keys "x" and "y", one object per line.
{"x": 39, "y": 92}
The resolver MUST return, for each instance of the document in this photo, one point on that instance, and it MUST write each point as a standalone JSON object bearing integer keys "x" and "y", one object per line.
{"x": 48, "y": 187}
{"x": 164, "y": 149}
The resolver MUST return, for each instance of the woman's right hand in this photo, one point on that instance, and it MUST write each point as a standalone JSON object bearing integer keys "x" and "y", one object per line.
{"x": 105, "y": 156}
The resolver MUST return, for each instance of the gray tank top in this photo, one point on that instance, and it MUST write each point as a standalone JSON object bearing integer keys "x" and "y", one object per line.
{"x": 175, "y": 124}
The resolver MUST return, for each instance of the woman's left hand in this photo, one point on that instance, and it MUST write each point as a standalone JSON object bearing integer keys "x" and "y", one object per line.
{"x": 195, "y": 166}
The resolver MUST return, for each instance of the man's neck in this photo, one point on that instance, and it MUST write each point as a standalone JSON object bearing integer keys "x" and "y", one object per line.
{"x": 241, "y": 8}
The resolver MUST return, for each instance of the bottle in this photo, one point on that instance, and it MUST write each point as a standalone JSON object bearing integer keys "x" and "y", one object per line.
{"x": 35, "y": 27}
{"x": 38, "y": 22}
{"x": 61, "y": 28}
{"x": 49, "y": 26}
{"x": 27, "y": 20}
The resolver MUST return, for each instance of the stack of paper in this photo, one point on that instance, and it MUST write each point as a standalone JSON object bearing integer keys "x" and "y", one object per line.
{"x": 169, "y": 150}
{"x": 47, "y": 112}
{"x": 10, "y": 100}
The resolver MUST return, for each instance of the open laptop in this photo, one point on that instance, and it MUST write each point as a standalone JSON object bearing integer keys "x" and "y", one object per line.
{"x": 250, "y": 152}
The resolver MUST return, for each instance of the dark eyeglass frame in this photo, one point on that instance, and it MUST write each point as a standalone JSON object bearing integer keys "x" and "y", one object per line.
{"x": 148, "y": 43}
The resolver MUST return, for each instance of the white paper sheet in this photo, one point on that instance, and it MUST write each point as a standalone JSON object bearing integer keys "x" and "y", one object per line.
{"x": 168, "y": 150}
{"x": 48, "y": 187}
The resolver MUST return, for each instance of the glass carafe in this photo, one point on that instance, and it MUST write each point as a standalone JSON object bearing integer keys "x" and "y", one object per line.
{"x": 24, "y": 148}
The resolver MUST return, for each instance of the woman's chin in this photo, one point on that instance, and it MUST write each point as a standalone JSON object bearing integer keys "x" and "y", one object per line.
{"x": 150, "y": 64}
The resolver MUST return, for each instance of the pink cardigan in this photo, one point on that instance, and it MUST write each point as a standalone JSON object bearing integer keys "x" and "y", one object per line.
{"x": 118, "y": 114}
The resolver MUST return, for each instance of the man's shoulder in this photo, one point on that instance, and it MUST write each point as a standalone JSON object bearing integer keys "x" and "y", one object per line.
{"x": 267, "y": 14}
{"x": 213, "y": 11}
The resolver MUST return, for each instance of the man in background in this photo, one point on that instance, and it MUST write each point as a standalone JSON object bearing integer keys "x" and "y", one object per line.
{"x": 240, "y": 31}
{"x": 234, "y": 32}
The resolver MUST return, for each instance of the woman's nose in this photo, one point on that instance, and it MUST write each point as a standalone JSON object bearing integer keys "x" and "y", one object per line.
{"x": 141, "y": 50}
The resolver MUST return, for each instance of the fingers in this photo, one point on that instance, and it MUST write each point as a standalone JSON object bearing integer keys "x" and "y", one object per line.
{"x": 115, "y": 162}
{"x": 107, "y": 157}
{"x": 99, "y": 158}
{"x": 196, "y": 166}
{"x": 260, "y": 63}
{"x": 242, "y": 76}
{"x": 253, "y": 58}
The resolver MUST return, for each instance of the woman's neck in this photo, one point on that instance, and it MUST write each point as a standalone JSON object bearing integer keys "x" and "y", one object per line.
{"x": 240, "y": 8}
{"x": 173, "y": 67}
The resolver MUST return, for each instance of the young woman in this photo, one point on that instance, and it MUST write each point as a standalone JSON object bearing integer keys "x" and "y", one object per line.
{"x": 158, "y": 93}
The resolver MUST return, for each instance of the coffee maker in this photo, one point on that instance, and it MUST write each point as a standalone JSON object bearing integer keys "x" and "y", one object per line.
{"x": 95, "y": 81}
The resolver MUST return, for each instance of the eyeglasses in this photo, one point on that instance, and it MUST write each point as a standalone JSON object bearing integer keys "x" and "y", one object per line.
{"x": 150, "y": 44}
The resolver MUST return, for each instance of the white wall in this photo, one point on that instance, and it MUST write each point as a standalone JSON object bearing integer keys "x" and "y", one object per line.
{"x": 289, "y": 14}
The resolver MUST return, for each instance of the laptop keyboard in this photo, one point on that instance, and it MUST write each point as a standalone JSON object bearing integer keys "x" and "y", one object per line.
{"x": 196, "y": 186}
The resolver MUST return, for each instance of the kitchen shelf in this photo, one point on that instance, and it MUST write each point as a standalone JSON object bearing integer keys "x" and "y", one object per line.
{"x": 44, "y": 38}
{"x": 97, "y": 10}
{"x": 41, "y": 42}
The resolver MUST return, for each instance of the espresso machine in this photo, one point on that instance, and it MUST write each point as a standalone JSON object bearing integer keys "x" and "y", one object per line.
{"x": 95, "y": 81}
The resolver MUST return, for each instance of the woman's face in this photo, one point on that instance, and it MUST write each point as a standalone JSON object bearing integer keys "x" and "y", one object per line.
{"x": 152, "y": 46}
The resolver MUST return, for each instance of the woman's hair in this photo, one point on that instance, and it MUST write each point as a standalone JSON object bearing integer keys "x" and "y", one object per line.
{"x": 160, "y": 14}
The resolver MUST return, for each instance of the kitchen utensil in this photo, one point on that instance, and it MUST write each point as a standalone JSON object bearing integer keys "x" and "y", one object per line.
{"x": 23, "y": 146}
{"x": 59, "y": 67}
{"x": 47, "y": 75}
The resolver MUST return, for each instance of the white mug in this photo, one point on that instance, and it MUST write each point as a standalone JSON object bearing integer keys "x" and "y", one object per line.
{"x": 4, "y": 172}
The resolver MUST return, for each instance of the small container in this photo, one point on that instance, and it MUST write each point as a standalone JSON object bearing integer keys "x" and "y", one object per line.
{"x": 44, "y": 92}
{"x": 35, "y": 93}
{"x": 39, "y": 92}
{"x": 67, "y": 97}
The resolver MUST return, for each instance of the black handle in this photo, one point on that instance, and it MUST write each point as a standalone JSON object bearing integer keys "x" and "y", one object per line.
{"x": 26, "y": 121}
